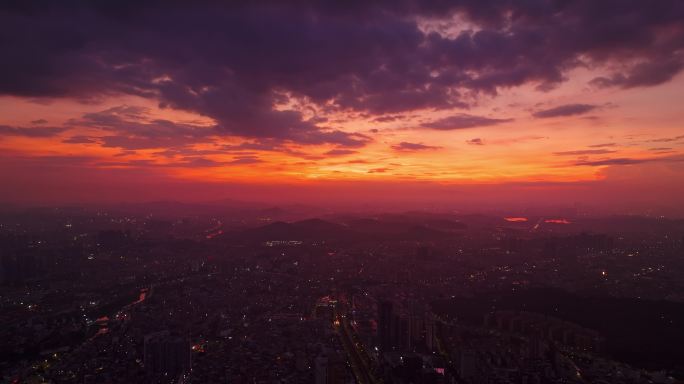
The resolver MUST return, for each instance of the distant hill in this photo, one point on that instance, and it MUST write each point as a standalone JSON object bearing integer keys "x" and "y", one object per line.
{"x": 312, "y": 229}
{"x": 353, "y": 230}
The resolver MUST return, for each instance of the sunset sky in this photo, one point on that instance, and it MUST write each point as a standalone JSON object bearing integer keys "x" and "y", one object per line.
{"x": 457, "y": 102}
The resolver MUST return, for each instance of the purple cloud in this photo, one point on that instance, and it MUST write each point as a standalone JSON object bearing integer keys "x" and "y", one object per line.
{"x": 463, "y": 121}
{"x": 364, "y": 57}
{"x": 616, "y": 161}
{"x": 667, "y": 139}
{"x": 660, "y": 149}
{"x": 643, "y": 74}
{"x": 388, "y": 118}
{"x": 244, "y": 160}
{"x": 79, "y": 140}
{"x": 378, "y": 170}
{"x": 406, "y": 146}
{"x": 629, "y": 161}
{"x": 35, "y": 132}
{"x": 565, "y": 110}
{"x": 583, "y": 152}
{"x": 602, "y": 145}
{"x": 340, "y": 152}
{"x": 131, "y": 127}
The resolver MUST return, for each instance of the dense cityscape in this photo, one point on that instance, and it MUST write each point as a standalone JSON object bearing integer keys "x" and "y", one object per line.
{"x": 123, "y": 295}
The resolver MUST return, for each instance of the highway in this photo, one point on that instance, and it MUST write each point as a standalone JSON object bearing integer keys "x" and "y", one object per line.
{"x": 358, "y": 358}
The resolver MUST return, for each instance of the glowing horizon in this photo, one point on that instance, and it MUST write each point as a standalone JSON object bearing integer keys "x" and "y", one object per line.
{"x": 394, "y": 110}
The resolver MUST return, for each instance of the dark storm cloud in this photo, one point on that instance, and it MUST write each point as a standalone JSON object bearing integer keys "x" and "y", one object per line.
{"x": 35, "y": 132}
{"x": 233, "y": 62}
{"x": 406, "y": 146}
{"x": 463, "y": 121}
{"x": 565, "y": 110}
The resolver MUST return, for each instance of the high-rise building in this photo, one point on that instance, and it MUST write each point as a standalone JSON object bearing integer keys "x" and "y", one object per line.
{"x": 404, "y": 336}
{"x": 430, "y": 331}
{"x": 321, "y": 367}
{"x": 385, "y": 324}
{"x": 467, "y": 367}
{"x": 330, "y": 369}
{"x": 166, "y": 356}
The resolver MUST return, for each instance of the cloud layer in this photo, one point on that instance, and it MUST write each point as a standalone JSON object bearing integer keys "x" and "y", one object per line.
{"x": 236, "y": 63}
{"x": 310, "y": 93}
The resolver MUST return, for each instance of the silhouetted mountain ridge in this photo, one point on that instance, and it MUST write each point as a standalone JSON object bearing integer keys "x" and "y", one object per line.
{"x": 359, "y": 229}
